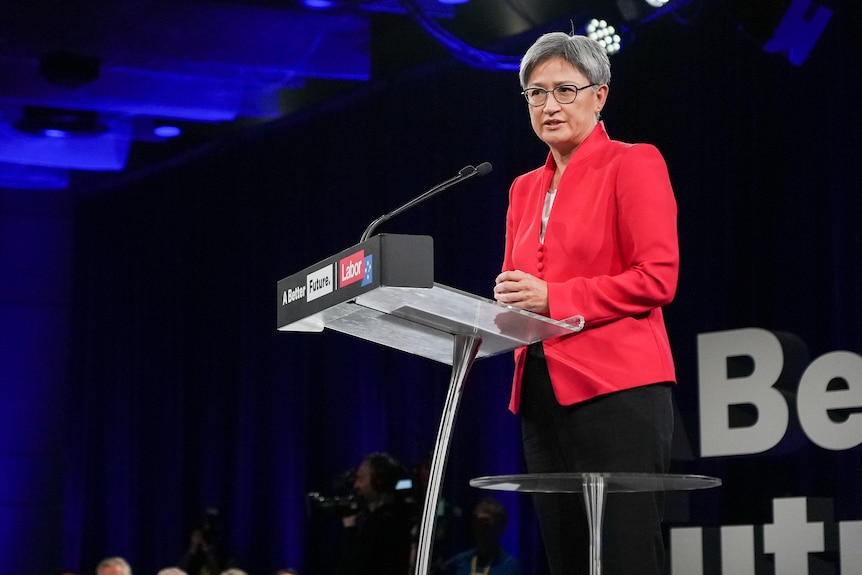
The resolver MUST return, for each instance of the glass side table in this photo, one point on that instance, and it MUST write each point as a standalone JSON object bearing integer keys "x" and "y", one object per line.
{"x": 595, "y": 486}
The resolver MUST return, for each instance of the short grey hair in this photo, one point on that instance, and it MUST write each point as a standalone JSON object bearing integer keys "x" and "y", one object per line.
{"x": 585, "y": 54}
{"x": 111, "y": 561}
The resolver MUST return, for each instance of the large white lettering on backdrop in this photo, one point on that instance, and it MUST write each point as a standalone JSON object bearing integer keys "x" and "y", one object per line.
{"x": 802, "y": 530}
{"x": 754, "y": 386}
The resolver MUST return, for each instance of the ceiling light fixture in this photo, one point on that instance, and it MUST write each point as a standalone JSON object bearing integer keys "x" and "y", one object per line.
{"x": 58, "y": 123}
{"x": 167, "y": 131}
{"x": 319, "y": 4}
{"x": 605, "y": 34}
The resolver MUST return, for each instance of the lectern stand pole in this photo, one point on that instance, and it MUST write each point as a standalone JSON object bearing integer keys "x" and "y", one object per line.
{"x": 464, "y": 352}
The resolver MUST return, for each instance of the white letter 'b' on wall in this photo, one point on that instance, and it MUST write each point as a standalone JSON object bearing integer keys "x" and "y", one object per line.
{"x": 720, "y": 391}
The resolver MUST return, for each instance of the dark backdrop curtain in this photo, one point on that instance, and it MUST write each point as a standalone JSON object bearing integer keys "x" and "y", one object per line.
{"x": 186, "y": 396}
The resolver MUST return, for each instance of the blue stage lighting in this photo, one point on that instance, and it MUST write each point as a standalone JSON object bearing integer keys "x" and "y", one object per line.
{"x": 319, "y": 4}
{"x": 798, "y": 31}
{"x": 167, "y": 131}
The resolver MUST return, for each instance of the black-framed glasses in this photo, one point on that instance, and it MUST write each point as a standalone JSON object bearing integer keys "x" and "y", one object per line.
{"x": 563, "y": 94}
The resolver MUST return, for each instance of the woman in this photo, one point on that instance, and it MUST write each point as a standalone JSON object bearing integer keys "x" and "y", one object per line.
{"x": 592, "y": 233}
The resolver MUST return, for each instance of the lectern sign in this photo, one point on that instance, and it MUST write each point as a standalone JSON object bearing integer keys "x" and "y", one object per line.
{"x": 356, "y": 267}
{"x": 384, "y": 260}
{"x": 320, "y": 283}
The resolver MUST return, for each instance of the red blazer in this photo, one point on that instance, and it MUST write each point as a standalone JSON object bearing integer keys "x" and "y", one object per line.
{"x": 610, "y": 255}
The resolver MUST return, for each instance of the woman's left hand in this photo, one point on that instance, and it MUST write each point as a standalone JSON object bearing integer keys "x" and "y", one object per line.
{"x": 523, "y": 291}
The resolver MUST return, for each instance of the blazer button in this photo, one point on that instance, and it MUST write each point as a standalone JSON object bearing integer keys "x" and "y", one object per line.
{"x": 540, "y": 266}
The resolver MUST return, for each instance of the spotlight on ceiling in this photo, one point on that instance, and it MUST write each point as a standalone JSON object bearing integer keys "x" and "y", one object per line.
{"x": 59, "y": 123}
{"x": 319, "y": 4}
{"x": 605, "y": 34}
{"x": 69, "y": 139}
{"x": 167, "y": 131}
{"x": 656, "y": 3}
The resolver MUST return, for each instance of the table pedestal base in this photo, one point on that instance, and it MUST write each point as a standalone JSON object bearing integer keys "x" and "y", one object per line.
{"x": 595, "y": 487}
{"x": 594, "y": 499}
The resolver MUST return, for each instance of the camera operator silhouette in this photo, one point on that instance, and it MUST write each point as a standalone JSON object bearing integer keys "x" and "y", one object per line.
{"x": 377, "y": 539}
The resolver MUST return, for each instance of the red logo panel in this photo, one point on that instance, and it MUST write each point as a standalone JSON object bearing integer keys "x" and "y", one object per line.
{"x": 351, "y": 269}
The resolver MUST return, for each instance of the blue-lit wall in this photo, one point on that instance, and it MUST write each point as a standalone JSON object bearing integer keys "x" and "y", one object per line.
{"x": 35, "y": 274}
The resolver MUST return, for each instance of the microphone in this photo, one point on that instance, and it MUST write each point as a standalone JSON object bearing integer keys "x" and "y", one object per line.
{"x": 465, "y": 173}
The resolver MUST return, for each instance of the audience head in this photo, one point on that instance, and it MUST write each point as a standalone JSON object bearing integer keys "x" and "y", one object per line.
{"x": 489, "y": 522}
{"x": 209, "y": 527}
{"x": 113, "y": 566}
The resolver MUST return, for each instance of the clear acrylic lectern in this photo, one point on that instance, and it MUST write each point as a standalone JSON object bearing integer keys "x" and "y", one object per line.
{"x": 382, "y": 290}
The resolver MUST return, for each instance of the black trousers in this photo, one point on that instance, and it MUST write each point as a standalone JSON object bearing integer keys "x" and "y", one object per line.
{"x": 627, "y": 431}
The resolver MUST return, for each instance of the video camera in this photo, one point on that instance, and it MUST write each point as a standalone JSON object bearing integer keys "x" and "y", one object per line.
{"x": 342, "y": 502}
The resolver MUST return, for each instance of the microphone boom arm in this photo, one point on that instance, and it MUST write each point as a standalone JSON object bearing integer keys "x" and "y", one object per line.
{"x": 465, "y": 173}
